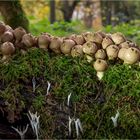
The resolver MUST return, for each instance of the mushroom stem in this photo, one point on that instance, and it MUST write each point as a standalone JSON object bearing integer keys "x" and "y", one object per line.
{"x": 5, "y": 57}
{"x": 100, "y": 74}
{"x": 89, "y": 58}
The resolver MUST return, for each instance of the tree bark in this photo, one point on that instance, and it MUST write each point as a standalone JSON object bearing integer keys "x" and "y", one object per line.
{"x": 68, "y": 8}
{"x": 52, "y": 11}
{"x": 13, "y": 14}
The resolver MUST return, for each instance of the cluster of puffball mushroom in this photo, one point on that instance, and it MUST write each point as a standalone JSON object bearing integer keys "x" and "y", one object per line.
{"x": 97, "y": 47}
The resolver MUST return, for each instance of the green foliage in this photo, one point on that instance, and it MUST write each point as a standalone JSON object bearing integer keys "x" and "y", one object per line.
{"x": 58, "y": 28}
{"x": 94, "y": 102}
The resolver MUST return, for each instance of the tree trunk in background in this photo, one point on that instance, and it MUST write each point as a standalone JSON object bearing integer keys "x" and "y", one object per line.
{"x": 108, "y": 13}
{"x": 52, "y": 11}
{"x": 68, "y": 8}
{"x": 97, "y": 17}
{"x": 13, "y": 14}
{"x": 92, "y": 17}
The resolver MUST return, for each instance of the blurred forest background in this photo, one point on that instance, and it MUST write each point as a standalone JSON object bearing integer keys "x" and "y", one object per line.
{"x": 64, "y": 17}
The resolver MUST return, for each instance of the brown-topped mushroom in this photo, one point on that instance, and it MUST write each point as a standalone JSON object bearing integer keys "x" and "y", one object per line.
{"x": 100, "y": 66}
{"x": 118, "y": 38}
{"x": 43, "y": 41}
{"x": 77, "y": 50}
{"x": 122, "y": 52}
{"x": 7, "y": 49}
{"x": 100, "y": 54}
{"x": 131, "y": 55}
{"x": 107, "y": 41}
{"x": 18, "y": 33}
{"x": 67, "y": 46}
{"x": 79, "y": 39}
{"x": 112, "y": 52}
{"x": 28, "y": 40}
{"x": 55, "y": 44}
{"x": 90, "y": 48}
{"x": 7, "y": 36}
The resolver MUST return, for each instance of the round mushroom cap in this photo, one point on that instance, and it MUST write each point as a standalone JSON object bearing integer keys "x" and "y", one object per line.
{"x": 7, "y": 36}
{"x": 90, "y": 48}
{"x": 28, "y": 40}
{"x": 97, "y": 38}
{"x": 55, "y": 44}
{"x": 112, "y": 52}
{"x": 118, "y": 38}
{"x": 122, "y": 52}
{"x": 107, "y": 41}
{"x": 18, "y": 33}
{"x": 100, "y": 54}
{"x": 79, "y": 39}
{"x": 100, "y": 65}
{"x": 43, "y": 41}
{"x": 7, "y": 48}
{"x": 67, "y": 46}
{"x": 131, "y": 55}
{"x": 77, "y": 50}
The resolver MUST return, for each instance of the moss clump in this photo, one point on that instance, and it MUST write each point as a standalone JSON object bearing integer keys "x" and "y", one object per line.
{"x": 93, "y": 101}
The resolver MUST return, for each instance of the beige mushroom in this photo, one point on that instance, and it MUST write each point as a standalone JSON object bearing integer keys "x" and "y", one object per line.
{"x": 88, "y": 36}
{"x": 107, "y": 41}
{"x": 18, "y": 33}
{"x": 100, "y": 54}
{"x": 97, "y": 38}
{"x": 55, "y": 44}
{"x": 100, "y": 66}
{"x": 7, "y": 49}
{"x": 67, "y": 46}
{"x": 43, "y": 41}
{"x": 131, "y": 55}
{"x": 79, "y": 39}
{"x": 118, "y": 38}
{"x": 28, "y": 40}
{"x": 77, "y": 50}
{"x": 122, "y": 52}
{"x": 90, "y": 48}
{"x": 89, "y": 58}
{"x": 112, "y": 52}
{"x": 7, "y": 36}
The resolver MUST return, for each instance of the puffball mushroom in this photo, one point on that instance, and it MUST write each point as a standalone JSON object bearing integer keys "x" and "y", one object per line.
{"x": 100, "y": 54}
{"x": 97, "y": 38}
{"x": 131, "y": 55}
{"x": 89, "y": 48}
{"x": 18, "y": 33}
{"x": 100, "y": 66}
{"x": 7, "y": 36}
{"x": 55, "y": 44}
{"x": 88, "y": 36}
{"x": 79, "y": 39}
{"x": 43, "y": 41}
{"x": 125, "y": 45}
{"x": 122, "y": 52}
{"x": 7, "y": 49}
{"x": 2, "y": 28}
{"x": 28, "y": 40}
{"x": 112, "y": 52}
{"x": 106, "y": 42}
{"x": 67, "y": 46}
{"x": 118, "y": 38}
{"x": 77, "y": 50}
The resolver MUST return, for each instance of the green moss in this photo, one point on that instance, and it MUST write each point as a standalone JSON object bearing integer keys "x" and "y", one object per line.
{"x": 93, "y": 101}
